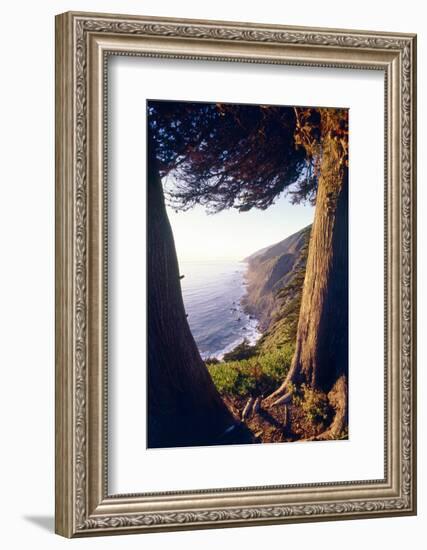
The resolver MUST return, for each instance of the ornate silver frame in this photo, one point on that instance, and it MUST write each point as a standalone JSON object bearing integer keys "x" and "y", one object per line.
{"x": 83, "y": 42}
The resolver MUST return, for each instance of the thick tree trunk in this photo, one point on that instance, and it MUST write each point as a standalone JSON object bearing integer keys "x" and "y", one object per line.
{"x": 184, "y": 407}
{"x": 321, "y": 354}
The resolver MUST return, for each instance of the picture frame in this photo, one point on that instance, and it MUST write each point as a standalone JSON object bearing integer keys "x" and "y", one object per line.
{"x": 84, "y": 42}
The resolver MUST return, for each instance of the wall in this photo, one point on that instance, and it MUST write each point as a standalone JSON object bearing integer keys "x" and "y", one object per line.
{"x": 27, "y": 243}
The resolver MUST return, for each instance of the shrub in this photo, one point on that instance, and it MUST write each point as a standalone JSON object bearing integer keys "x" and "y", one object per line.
{"x": 242, "y": 351}
{"x": 314, "y": 403}
{"x": 258, "y": 375}
{"x": 211, "y": 361}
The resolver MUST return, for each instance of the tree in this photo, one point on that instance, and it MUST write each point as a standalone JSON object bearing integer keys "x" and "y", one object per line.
{"x": 184, "y": 407}
{"x": 244, "y": 156}
{"x": 321, "y": 355}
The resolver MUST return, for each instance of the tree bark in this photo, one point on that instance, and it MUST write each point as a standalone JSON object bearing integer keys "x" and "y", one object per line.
{"x": 184, "y": 407}
{"x": 321, "y": 354}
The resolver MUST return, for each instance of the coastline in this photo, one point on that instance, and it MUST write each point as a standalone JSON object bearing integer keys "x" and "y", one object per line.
{"x": 213, "y": 294}
{"x": 254, "y": 332}
{"x": 252, "y": 327}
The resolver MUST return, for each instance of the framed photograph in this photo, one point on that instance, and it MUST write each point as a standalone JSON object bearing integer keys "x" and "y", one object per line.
{"x": 235, "y": 274}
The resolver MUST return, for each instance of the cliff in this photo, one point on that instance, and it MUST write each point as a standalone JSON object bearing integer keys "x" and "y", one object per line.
{"x": 275, "y": 277}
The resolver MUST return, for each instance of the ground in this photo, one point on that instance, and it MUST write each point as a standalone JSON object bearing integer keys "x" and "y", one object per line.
{"x": 279, "y": 424}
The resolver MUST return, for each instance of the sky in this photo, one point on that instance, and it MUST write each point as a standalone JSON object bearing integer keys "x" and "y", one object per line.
{"x": 234, "y": 235}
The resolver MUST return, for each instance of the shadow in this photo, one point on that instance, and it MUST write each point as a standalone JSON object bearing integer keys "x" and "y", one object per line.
{"x": 269, "y": 418}
{"x": 44, "y": 522}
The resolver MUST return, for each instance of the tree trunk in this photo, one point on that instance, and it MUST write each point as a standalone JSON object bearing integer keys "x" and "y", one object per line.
{"x": 184, "y": 407}
{"x": 321, "y": 354}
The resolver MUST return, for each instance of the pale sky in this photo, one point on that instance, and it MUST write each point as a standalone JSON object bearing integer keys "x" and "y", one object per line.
{"x": 233, "y": 235}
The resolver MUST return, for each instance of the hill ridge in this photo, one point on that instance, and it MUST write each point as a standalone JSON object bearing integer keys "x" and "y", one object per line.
{"x": 274, "y": 276}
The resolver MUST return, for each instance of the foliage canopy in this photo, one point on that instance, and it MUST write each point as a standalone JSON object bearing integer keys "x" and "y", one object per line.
{"x": 230, "y": 155}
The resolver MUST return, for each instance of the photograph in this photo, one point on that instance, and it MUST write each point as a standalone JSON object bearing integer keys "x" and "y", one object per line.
{"x": 247, "y": 273}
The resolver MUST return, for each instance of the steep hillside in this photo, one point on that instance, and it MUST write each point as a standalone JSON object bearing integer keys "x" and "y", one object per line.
{"x": 287, "y": 246}
{"x": 274, "y": 278}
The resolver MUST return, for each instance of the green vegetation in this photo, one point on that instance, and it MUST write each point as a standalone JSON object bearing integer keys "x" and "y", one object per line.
{"x": 314, "y": 403}
{"x": 258, "y": 375}
{"x": 242, "y": 351}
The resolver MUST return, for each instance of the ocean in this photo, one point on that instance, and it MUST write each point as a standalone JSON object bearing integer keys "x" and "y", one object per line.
{"x": 212, "y": 291}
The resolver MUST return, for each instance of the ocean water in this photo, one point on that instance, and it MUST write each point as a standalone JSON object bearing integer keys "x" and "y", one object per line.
{"x": 212, "y": 291}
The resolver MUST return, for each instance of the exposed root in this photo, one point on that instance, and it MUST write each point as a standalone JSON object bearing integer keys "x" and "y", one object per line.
{"x": 286, "y": 420}
{"x": 248, "y": 409}
{"x": 279, "y": 396}
{"x": 282, "y": 400}
{"x": 257, "y": 405}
